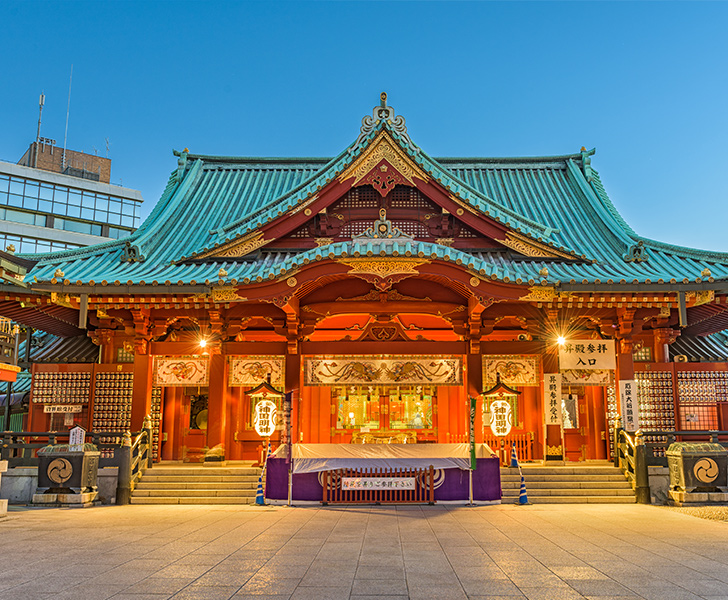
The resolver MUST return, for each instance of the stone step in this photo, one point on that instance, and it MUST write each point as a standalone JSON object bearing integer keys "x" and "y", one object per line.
{"x": 574, "y": 500}
{"x": 562, "y": 477}
{"x": 563, "y": 470}
{"x": 572, "y": 493}
{"x": 612, "y": 485}
{"x": 195, "y": 485}
{"x": 194, "y": 493}
{"x": 211, "y": 479}
{"x": 192, "y": 500}
{"x": 205, "y": 472}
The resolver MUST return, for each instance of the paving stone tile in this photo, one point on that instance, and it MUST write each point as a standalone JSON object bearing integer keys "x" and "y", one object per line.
{"x": 159, "y": 585}
{"x": 321, "y": 593}
{"x": 379, "y": 587}
{"x": 204, "y": 592}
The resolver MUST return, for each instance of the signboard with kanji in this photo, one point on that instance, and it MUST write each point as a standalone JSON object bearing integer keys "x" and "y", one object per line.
{"x": 628, "y": 402}
{"x": 587, "y": 355}
{"x": 552, "y": 398}
{"x": 501, "y": 417}
{"x": 265, "y": 418}
{"x": 377, "y": 483}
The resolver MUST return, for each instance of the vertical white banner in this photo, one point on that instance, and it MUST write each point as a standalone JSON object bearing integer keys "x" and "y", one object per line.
{"x": 628, "y": 402}
{"x": 552, "y": 398}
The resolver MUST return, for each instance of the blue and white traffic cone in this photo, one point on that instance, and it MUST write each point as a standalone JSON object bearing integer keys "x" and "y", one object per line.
{"x": 259, "y": 498}
{"x": 523, "y": 497}
{"x": 259, "y": 495}
{"x": 514, "y": 458}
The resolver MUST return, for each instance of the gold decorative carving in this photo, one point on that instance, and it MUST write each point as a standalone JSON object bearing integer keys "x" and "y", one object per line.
{"x": 474, "y": 281}
{"x": 391, "y": 295}
{"x": 445, "y": 241}
{"x": 323, "y": 241}
{"x": 383, "y": 267}
{"x": 554, "y": 450}
{"x": 226, "y": 294}
{"x": 237, "y": 248}
{"x": 529, "y": 247}
{"x": 383, "y": 147}
{"x": 540, "y": 294}
{"x": 61, "y": 300}
{"x": 700, "y": 297}
{"x": 292, "y": 282}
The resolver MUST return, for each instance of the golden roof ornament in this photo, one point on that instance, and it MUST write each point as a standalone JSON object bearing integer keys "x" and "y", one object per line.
{"x": 544, "y": 272}
{"x": 10, "y": 249}
{"x": 222, "y": 273}
{"x": 706, "y": 272}
{"x": 58, "y": 274}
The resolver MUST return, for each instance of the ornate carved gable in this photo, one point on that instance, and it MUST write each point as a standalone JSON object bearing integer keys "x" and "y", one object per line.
{"x": 383, "y": 165}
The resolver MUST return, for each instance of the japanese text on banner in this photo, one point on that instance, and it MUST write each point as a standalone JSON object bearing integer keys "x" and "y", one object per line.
{"x": 552, "y": 398}
{"x": 628, "y": 402}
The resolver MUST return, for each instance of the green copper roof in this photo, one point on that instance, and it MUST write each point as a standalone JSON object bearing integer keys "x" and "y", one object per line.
{"x": 210, "y": 201}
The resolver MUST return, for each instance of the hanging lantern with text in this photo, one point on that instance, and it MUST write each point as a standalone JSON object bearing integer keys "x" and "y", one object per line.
{"x": 501, "y": 412}
{"x": 266, "y": 399}
{"x": 265, "y": 418}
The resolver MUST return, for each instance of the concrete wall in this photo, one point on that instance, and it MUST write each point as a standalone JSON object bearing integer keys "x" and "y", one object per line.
{"x": 19, "y": 485}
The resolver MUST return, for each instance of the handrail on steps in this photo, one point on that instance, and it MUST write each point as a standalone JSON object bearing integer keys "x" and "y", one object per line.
{"x": 630, "y": 455}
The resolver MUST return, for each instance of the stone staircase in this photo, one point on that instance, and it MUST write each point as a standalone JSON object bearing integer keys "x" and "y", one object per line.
{"x": 573, "y": 483}
{"x": 185, "y": 483}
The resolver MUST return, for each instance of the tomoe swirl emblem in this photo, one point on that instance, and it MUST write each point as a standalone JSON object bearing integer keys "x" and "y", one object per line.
{"x": 706, "y": 470}
{"x": 59, "y": 470}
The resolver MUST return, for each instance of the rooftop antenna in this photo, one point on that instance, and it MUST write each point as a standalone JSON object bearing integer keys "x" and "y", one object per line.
{"x": 41, "y": 102}
{"x": 68, "y": 109}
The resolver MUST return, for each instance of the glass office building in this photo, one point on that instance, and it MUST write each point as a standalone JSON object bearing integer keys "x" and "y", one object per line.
{"x": 43, "y": 211}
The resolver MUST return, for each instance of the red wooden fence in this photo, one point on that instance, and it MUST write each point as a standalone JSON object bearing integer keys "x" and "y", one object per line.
{"x": 423, "y": 492}
{"x": 502, "y": 446}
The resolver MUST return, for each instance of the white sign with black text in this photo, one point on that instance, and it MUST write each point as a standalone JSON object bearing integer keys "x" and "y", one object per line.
{"x": 628, "y": 402}
{"x": 587, "y": 355}
{"x": 552, "y": 398}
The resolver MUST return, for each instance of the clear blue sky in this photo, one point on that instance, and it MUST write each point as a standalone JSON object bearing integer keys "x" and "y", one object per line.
{"x": 646, "y": 83}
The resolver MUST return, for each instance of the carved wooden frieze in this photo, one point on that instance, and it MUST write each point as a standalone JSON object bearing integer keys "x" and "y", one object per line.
{"x": 249, "y": 371}
{"x": 383, "y": 370}
{"x": 181, "y": 371}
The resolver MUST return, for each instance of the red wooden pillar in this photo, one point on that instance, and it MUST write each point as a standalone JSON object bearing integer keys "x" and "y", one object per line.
{"x": 216, "y": 403}
{"x": 141, "y": 403}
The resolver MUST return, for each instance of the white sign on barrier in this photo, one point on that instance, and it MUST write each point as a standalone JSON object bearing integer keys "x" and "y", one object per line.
{"x": 62, "y": 408}
{"x": 377, "y": 483}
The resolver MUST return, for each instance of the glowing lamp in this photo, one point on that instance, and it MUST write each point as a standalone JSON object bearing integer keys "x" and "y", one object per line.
{"x": 203, "y": 343}
{"x": 266, "y": 409}
{"x": 561, "y": 340}
{"x": 501, "y": 413}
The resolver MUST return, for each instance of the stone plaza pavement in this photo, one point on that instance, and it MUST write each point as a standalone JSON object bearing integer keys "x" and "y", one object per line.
{"x": 548, "y": 552}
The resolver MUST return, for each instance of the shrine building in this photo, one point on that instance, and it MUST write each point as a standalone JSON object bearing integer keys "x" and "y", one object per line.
{"x": 383, "y": 288}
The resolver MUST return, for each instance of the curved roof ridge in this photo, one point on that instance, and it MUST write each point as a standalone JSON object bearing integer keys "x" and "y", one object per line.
{"x": 545, "y": 230}
{"x": 601, "y": 192}
{"x": 687, "y": 252}
{"x": 276, "y": 202}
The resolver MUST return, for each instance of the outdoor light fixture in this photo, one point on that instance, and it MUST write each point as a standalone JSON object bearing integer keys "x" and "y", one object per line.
{"x": 561, "y": 340}
{"x": 203, "y": 343}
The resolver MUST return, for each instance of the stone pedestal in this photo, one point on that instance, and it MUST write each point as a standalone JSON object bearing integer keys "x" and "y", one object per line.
{"x": 82, "y": 500}
{"x": 678, "y": 498}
